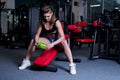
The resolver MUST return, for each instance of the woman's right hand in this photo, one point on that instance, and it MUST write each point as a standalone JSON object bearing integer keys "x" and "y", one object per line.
{"x": 36, "y": 44}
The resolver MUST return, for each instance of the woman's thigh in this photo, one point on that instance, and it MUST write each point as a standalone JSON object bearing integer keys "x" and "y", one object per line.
{"x": 44, "y": 40}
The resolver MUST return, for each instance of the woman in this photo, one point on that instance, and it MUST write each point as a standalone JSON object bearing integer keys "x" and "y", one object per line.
{"x": 49, "y": 27}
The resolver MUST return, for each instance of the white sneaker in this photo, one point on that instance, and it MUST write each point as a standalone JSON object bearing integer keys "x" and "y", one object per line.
{"x": 25, "y": 64}
{"x": 73, "y": 69}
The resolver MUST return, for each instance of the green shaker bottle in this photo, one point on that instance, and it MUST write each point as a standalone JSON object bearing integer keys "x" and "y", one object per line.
{"x": 42, "y": 45}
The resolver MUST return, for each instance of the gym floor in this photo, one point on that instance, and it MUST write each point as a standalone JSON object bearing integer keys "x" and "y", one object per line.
{"x": 99, "y": 69}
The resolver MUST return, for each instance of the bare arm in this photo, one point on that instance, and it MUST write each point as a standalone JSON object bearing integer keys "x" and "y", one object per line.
{"x": 60, "y": 32}
{"x": 38, "y": 32}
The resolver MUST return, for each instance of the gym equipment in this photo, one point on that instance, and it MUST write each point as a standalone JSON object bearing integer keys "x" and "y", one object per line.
{"x": 105, "y": 23}
{"x": 86, "y": 39}
{"x": 48, "y": 68}
{"x": 74, "y": 33}
{"x": 45, "y": 58}
{"x": 42, "y": 45}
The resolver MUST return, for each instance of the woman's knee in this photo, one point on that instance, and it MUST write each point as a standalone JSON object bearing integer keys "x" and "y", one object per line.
{"x": 64, "y": 42}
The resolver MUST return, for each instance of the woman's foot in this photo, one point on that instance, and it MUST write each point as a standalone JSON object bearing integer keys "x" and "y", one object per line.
{"x": 73, "y": 68}
{"x": 25, "y": 64}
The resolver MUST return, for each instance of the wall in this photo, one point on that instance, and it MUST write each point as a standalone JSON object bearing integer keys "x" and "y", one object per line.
{"x": 4, "y": 22}
{"x": 10, "y": 4}
{"x": 78, "y": 10}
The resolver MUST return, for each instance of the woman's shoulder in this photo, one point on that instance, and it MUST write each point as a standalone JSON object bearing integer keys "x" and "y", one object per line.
{"x": 57, "y": 20}
{"x": 57, "y": 23}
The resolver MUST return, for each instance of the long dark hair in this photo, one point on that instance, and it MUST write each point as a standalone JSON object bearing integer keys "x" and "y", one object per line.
{"x": 45, "y": 9}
